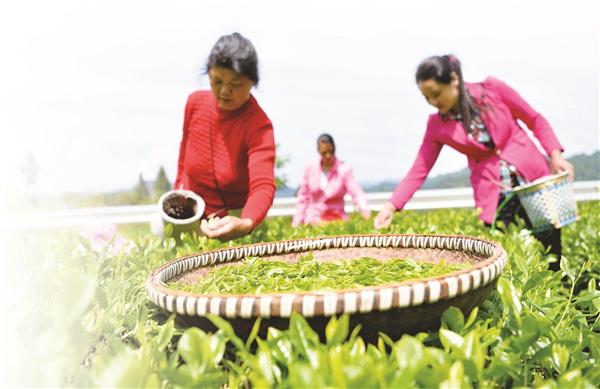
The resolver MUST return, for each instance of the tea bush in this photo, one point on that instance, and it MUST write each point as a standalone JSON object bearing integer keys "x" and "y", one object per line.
{"x": 76, "y": 317}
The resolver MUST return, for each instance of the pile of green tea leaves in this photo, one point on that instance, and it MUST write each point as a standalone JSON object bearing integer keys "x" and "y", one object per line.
{"x": 256, "y": 275}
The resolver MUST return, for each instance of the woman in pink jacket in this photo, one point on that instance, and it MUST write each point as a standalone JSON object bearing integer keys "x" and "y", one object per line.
{"x": 480, "y": 121}
{"x": 324, "y": 183}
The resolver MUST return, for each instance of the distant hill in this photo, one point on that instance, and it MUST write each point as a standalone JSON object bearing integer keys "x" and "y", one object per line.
{"x": 285, "y": 192}
{"x": 460, "y": 179}
{"x": 587, "y": 168}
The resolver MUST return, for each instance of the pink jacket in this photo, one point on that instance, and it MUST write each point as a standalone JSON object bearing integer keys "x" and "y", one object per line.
{"x": 313, "y": 202}
{"x": 512, "y": 145}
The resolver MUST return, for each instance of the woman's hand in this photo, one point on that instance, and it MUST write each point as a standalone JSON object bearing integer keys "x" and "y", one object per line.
{"x": 227, "y": 228}
{"x": 384, "y": 217}
{"x": 558, "y": 164}
{"x": 366, "y": 214}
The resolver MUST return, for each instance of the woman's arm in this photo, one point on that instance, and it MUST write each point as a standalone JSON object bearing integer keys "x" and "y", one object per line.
{"x": 227, "y": 228}
{"x": 521, "y": 110}
{"x": 426, "y": 157}
{"x": 261, "y": 171}
{"x": 540, "y": 127}
{"x": 359, "y": 197}
{"x": 558, "y": 164}
{"x": 302, "y": 199}
{"x": 186, "y": 123}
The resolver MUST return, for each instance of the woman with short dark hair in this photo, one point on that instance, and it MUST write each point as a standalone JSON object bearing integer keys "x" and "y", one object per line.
{"x": 227, "y": 153}
{"x": 480, "y": 121}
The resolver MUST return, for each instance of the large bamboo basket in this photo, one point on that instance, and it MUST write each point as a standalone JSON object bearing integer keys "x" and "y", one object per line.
{"x": 394, "y": 309}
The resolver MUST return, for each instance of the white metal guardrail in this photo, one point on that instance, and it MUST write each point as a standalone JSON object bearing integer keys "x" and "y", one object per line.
{"x": 423, "y": 199}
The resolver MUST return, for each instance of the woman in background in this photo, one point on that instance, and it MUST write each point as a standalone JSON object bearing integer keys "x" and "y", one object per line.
{"x": 324, "y": 183}
{"x": 480, "y": 121}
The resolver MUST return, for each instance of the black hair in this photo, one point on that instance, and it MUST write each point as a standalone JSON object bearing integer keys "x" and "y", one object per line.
{"x": 327, "y": 139}
{"x": 440, "y": 68}
{"x": 236, "y": 53}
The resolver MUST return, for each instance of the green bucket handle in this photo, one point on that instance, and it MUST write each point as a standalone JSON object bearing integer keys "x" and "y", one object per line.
{"x": 506, "y": 200}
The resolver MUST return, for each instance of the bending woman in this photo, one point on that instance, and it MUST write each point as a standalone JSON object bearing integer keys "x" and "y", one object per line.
{"x": 324, "y": 183}
{"x": 479, "y": 120}
{"x": 227, "y": 154}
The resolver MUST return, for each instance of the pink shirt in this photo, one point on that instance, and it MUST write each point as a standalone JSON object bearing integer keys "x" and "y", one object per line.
{"x": 511, "y": 144}
{"x": 313, "y": 201}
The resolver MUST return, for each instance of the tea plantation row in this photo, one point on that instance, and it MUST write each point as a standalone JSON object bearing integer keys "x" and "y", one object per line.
{"x": 76, "y": 317}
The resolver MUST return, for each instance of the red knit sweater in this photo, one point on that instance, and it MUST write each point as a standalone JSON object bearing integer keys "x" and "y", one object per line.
{"x": 243, "y": 156}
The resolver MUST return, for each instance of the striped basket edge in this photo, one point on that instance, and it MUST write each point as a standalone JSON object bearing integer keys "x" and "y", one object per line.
{"x": 310, "y": 304}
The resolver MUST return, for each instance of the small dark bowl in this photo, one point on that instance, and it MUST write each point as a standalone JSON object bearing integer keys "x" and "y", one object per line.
{"x": 394, "y": 309}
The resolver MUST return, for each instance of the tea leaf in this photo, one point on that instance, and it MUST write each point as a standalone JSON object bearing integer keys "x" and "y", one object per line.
{"x": 511, "y": 302}
{"x": 166, "y": 333}
{"x": 256, "y": 275}
{"x": 336, "y": 330}
{"x": 453, "y": 319}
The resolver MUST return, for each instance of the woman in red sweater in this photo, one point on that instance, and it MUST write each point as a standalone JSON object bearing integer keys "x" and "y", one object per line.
{"x": 227, "y": 154}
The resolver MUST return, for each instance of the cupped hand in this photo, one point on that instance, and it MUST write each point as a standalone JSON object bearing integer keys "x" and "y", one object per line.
{"x": 226, "y": 228}
{"x": 558, "y": 164}
{"x": 385, "y": 216}
{"x": 366, "y": 214}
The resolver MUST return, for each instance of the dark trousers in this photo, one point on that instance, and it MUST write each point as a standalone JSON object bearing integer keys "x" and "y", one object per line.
{"x": 548, "y": 238}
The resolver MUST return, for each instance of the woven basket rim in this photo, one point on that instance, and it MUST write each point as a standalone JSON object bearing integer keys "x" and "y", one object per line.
{"x": 541, "y": 183}
{"x": 491, "y": 267}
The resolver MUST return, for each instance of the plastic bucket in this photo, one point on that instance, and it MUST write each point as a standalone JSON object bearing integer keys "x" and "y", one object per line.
{"x": 549, "y": 202}
{"x": 183, "y": 209}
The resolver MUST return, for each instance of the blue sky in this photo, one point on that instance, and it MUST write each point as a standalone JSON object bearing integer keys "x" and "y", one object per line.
{"x": 95, "y": 90}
